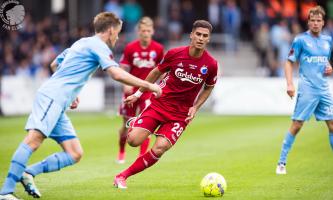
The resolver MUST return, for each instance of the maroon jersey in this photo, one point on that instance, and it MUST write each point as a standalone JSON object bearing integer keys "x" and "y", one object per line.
{"x": 185, "y": 78}
{"x": 139, "y": 60}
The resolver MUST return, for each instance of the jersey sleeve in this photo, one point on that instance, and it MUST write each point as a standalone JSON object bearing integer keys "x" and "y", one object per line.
{"x": 295, "y": 50}
{"x": 164, "y": 66}
{"x": 212, "y": 75}
{"x": 104, "y": 56}
{"x": 61, "y": 57}
{"x": 125, "y": 57}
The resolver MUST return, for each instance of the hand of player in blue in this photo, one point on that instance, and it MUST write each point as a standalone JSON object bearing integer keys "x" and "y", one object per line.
{"x": 328, "y": 70}
{"x": 291, "y": 90}
{"x": 156, "y": 90}
{"x": 128, "y": 89}
{"x": 131, "y": 99}
{"x": 75, "y": 103}
{"x": 191, "y": 114}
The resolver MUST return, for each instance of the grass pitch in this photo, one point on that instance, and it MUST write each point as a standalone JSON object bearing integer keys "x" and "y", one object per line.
{"x": 244, "y": 150}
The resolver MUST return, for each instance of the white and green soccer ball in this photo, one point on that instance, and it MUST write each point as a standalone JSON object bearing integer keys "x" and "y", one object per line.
{"x": 213, "y": 185}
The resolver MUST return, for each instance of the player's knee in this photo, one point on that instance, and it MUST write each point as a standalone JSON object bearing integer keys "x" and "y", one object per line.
{"x": 159, "y": 150}
{"x": 296, "y": 127}
{"x": 34, "y": 139}
{"x": 76, "y": 155}
{"x": 132, "y": 141}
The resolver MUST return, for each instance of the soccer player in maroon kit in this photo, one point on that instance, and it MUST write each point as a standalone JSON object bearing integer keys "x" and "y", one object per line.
{"x": 139, "y": 58}
{"x": 191, "y": 76}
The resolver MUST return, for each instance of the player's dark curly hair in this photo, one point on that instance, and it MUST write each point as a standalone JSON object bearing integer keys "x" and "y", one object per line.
{"x": 202, "y": 24}
{"x": 318, "y": 10}
{"x": 105, "y": 20}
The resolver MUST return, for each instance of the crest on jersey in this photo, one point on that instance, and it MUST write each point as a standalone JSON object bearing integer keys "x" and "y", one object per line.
{"x": 152, "y": 54}
{"x": 136, "y": 54}
{"x": 204, "y": 69}
{"x": 180, "y": 64}
{"x": 291, "y": 52}
{"x": 140, "y": 121}
{"x": 111, "y": 56}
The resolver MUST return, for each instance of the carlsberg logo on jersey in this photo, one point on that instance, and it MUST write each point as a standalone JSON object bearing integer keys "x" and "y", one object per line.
{"x": 184, "y": 76}
{"x": 316, "y": 59}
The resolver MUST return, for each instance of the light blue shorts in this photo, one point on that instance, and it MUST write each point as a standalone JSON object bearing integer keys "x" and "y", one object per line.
{"x": 321, "y": 105}
{"x": 49, "y": 118}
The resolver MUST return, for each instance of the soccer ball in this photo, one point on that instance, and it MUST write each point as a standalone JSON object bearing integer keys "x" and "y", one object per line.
{"x": 213, "y": 185}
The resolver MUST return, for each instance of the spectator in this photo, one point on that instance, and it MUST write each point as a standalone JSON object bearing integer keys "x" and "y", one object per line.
{"x": 187, "y": 15}
{"x": 280, "y": 39}
{"x": 132, "y": 14}
{"x": 231, "y": 21}
{"x": 115, "y": 7}
{"x": 214, "y": 15}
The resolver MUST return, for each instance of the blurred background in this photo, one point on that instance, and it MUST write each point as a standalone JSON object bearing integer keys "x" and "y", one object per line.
{"x": 251, "y": 40}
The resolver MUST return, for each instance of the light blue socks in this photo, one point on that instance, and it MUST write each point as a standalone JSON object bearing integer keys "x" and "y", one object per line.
{"x": 17, "y": 167}
{"x": 286, "y": 146}
{"x": 52, "y": 163}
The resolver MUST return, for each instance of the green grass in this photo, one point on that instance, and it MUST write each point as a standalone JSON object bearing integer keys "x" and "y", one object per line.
{"x": 243, "y": 149}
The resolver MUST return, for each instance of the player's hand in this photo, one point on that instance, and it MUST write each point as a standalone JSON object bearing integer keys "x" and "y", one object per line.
{"x": 328, "y": 70}
{"x": 291, "y": 91}
{"x": 155, "y": 89}
{"x": 130, "y": 100}
{"x": 191, "y": 114}
{"x": 75, "y": 103}
{"x": 128, "y": 89}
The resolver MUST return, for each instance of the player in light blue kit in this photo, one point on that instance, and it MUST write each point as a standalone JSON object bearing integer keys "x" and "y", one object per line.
{"x": 73, "y": 67}
{"x": 312, "y": 51}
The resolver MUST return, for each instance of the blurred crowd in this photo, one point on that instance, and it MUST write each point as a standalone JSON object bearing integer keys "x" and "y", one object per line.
{"x": 270, "y": 25}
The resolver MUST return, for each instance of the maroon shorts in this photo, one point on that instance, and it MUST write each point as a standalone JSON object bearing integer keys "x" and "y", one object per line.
{"x": 150, "y": 120}
{"x": 128, "y": 112}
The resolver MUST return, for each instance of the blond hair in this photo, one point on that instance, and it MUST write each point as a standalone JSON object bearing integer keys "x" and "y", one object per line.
{"x": 147, "y": 21}
{"x": 318, "y": 10}
{"x": 105, "y": 20}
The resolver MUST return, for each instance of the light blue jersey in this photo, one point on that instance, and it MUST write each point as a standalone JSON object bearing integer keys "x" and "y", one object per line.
{"x": 312, "y": 53}
{"x": 313, "y": 96}
{"x": 77, "y": 64}
{"x": 61, "y": 57}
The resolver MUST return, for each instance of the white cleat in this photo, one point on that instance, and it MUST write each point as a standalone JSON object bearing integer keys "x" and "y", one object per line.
{"x": 29, "y": 185}
{"x": 120, "y": 182}
{"x": 281, "y": 169}
{"x": 9, "y": 197}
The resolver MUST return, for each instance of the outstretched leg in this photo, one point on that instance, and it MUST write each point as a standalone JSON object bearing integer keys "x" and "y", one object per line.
{"x": 287, "y": 145}
{"x": 72, "y": 154}
{"x": 19, "y": 160}
{"x": 143, "y": 162}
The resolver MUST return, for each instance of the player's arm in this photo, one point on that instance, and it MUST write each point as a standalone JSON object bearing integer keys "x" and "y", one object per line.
{"x": 288, "y": 70}
{"x": 152, "y": 77}
{"x": 293, "y": 57}
{"x": 126, "y": 88}
{"x": 203, "y": 96}
{"x": 54, "y": 65}
{"x": 124, "y": 77}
